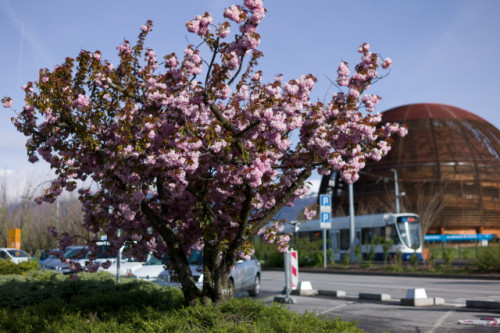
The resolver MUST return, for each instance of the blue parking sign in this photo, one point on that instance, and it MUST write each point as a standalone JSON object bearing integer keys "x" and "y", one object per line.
{"x": 325, "y": 221}
{"x": 325, "y": 200}
{"x": 325, "y": 217}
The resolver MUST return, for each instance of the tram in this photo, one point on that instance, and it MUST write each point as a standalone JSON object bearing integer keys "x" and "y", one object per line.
{"x": 402, "y": 231}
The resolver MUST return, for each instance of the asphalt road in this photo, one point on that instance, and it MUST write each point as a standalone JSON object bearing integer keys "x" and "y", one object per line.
{"x": 390, "y": 316}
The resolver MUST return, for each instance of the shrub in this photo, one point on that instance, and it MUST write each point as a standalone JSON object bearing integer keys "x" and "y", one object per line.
{"x": 414, "y": 261}
{"x": 489, "y": 259}
{"x": 310, "y": 253}
{"x": 8, "y": 267}
{"x": 95, "y": 303}
{"x": 268, "y": 254}
{"x": 448, "y": 256}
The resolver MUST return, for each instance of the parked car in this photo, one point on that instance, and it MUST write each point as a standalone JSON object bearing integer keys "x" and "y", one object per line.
{"x": 151, "y": 269}
{"x": 128, "y": 265}
{"x": 244, "y": 277}
{"x": 43, "y": 256}
{"x": 52, "y": 262}
{"x": 74, "y": 252}
{"x": 14, "y": 255}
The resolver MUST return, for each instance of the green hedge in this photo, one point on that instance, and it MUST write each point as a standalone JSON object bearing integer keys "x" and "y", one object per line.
{"x": 310, "y": 253}
{"x": 489, "y": 259}
{"x": 8, "y": 267}
{"x": 51, "y": 302}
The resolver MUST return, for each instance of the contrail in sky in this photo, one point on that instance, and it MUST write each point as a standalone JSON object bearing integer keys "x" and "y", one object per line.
{"x": 20, "y": 54}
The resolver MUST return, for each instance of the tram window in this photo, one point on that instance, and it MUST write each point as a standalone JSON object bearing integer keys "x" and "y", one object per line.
{"x": 344, "y": 239}
{"x": 395, "y": 236}
{"x": 369, "y": 233}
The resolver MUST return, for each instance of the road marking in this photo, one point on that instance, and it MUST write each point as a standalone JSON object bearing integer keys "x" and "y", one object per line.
{"x": 334, "y": 308}
{"x": 440, "y": 321}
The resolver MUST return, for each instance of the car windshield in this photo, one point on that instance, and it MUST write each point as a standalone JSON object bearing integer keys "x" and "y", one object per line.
{"x": 409, "y": 229}
{"x": 73, "y": 253}
{"x": 18, "y": 253}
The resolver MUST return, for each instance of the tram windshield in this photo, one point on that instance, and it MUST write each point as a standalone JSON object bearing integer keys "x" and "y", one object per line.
{"x": 409, "y": 229}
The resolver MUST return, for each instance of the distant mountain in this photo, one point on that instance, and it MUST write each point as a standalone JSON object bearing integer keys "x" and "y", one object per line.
{"x": 292, "y": 213}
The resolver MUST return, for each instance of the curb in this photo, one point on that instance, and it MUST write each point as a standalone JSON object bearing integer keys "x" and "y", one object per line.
{"x": 375, "y": 297}
{"x": 416, "y": 302}
{"x": 406, "y": 274}
{"x": 490, "y": 305}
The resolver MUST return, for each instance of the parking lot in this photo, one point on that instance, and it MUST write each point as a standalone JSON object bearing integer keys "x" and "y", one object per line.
{"x": 390, "y": 316}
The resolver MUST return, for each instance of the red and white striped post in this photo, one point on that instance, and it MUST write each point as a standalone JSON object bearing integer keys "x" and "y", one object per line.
{"x": 291, "y": 272}
{"x": 294, "y": 268}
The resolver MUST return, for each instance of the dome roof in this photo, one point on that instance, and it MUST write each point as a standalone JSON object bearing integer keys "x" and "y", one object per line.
{"x": 428, "y": 111}
{"x": 441, "y": 135}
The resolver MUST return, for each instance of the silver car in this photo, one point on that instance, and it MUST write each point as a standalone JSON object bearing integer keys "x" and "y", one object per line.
{"x": 244, "y": 277}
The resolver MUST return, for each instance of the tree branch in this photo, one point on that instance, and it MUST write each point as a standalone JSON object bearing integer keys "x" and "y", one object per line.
{"x": 299, "y": 182}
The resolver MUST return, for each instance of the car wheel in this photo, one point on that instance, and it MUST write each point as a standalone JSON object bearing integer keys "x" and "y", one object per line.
{"x": 255, "y": 291}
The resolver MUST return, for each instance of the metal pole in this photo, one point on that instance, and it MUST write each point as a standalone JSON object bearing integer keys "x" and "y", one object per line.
{"x": 324, "y": 247}
{"x": 352, "y": 231}
{"x": 118, "y": 260}
{"x": 57, "y": 214}
{"x": 396, "y": 189}
{"x": 287, "y": 273}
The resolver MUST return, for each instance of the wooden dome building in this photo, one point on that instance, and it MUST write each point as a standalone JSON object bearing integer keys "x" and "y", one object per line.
{"x": 448, "y": 171}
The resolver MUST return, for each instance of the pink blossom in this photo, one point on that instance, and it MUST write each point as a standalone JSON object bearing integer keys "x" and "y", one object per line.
{"x": 33, "y": 159}
{"x": 200, "y": 24}
{"x": 343, "y": 74}
{"x": 370, "y": 101}
{"x": 235, "y": 13}
{"x": 386, "y": 63}
{"x": 365, "y": 47}
{"x": 81, "y": 101}
{"x": 124, "y": 48}
{"x": 231, "y": 60}
{"x": 257, "y": 76}
{"x": 223, "y": 30}
{"x": 7, "y": 102}
{"x": 253, "y": 4}
{"x": 309, "y": 213}
{"x": 223, "y": 91}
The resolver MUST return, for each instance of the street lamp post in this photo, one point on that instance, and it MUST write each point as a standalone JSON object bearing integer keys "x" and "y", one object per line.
{"x": 396, "y": 189}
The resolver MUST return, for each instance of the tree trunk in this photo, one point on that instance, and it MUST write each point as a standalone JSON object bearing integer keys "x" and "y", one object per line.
{"x": 216, "y": 286}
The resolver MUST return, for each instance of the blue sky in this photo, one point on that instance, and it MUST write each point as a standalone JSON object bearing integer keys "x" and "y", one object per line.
{"x": 443, "y": 51}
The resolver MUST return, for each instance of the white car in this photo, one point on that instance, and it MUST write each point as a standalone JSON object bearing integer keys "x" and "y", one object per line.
{"x": 244, "y": 277}
{"x": 74, "y": 252}
{"x": 14, "y": 255}
{"x": 127, "y": 266}
{"x": 150, "y": 270}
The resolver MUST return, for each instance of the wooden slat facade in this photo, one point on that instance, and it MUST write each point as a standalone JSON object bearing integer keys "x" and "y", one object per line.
{"x": 448, "y": 153}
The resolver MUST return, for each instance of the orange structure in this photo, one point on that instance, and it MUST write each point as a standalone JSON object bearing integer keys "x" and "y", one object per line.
{"x": 448, "y": 171}
{"x": 14, "y": 238}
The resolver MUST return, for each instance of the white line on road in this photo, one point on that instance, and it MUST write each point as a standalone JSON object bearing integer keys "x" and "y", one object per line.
{"x": 440, "y": 321}
{"x": 334, "y": 308}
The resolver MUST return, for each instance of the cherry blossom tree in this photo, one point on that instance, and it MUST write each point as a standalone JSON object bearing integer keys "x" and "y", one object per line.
{"x": 186, "y": 152}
